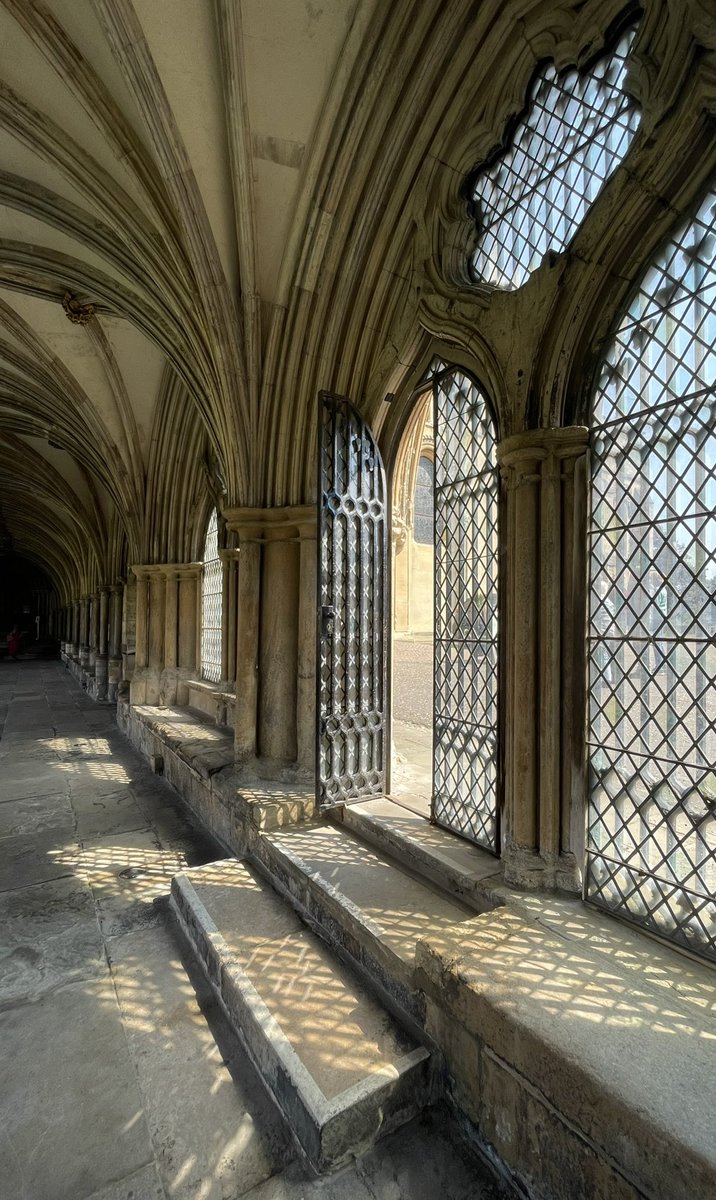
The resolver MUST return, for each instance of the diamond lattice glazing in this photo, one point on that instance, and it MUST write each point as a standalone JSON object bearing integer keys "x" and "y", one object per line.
{"x": 212, "y": 602}
{"x": 651, "y": 852}
{"x": 577, "y": 129}
{"x": 466, "y": 612}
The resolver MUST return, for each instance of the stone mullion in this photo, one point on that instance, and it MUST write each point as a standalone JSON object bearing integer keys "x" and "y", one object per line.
{"x": 520, "y": 470}
{"x": 543, "y": 634}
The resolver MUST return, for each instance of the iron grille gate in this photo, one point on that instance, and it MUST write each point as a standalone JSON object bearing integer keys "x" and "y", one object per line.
{"x": 352, "y": 607}
{"x": 465, "y": 741}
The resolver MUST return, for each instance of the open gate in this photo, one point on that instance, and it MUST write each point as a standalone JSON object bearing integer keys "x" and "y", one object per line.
{"x": 352, "y": 743}
{"x": 353, "y": 732}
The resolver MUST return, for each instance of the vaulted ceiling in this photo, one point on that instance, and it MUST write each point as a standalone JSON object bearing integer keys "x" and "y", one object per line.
{"x": 209, "y": 209}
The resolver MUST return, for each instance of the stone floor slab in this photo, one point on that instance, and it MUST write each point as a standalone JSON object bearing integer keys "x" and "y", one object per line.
{"x": 405, "y": 908}
{"x": 34, "y": 858}
{"x": 144, "y": 1184}
{"x": 128, "y": 872}
{"x": 107, "y": 813}
{"x": 48, "y": 936}
{"x": 37, "y": 814}
{"x": 233, "y": 1137}
{"x": 70, "y": 1109}
{"x": 19, "y": 780}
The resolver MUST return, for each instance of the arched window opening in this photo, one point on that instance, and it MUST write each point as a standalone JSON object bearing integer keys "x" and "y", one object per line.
{"x": 423, "y": 506}
{"x": 211, "y": 604}
{"x": 651, "y": 848}
{"x": 445, "y": 650}
{"x": 465, "y": 766}
{"x": 534, "y": 196}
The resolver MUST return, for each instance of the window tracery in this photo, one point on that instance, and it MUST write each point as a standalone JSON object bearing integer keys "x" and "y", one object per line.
{"x": 533, "y": 196}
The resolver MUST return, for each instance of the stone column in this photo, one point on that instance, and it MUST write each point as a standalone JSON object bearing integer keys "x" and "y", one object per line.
{"x": 76, "y": 631}
{"x": 228, "y": 625}
{"x": 538, "y": 469}
{"x": 129, "y": 630}
{"x": 84, "y": 632}
{"x": 268, "y": 659}
{"x": 141, "y": 646}
{"x": 93, "y": 632}
{"x": 278, "y": 648}
{"x": 168, "y": 690}
{"x": 232, "y": 618}
{"x": 156, "y": 621}
{"x": 101, "y": 666}
{"x": 114, "y": 665}
{"x": 137, "y": 692}
{"x": 189, "y": 587}
{"x": 306, "y": 687}
{"x": 248, "y": 525}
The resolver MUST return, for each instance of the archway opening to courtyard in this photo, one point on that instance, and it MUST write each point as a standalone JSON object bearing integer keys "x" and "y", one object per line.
{"x": 413, "y": 615}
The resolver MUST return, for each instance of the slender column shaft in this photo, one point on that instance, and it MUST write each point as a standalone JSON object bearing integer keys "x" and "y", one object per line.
{"x": 141, "y": 644}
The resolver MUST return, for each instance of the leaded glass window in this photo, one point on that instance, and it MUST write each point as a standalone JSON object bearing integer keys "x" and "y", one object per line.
{"x": 534, "y": 196}
{"x": 212, "y": 587}
{"x": 465, "y": 743}
{"x": 423, "y": 506}
{"x": 651, "y": 850}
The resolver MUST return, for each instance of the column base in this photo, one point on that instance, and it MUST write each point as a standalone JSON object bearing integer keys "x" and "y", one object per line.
{"x": 114, "y": 677}
{"x": 525, "y": 868}
{"x": 100, "y": 678}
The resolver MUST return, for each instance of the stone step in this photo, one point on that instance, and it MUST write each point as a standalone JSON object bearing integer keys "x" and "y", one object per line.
{"x": 369, "y": 908}
{"x": 340, "y": 1068}
{"x": 453, "y": 863}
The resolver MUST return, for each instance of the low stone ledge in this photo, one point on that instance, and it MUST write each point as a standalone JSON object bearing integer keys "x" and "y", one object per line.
{"x": 588, "y": 1076}
{"x": 212, "y": 700}
{"x": 198, "y": 759}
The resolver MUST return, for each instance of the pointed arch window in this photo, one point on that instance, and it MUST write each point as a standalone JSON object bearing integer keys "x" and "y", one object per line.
{"x": 212, "y": 587}
{"x": 651, "y": 838}
{"x": 533, "y": 196}
{"x": 423, "y": 502}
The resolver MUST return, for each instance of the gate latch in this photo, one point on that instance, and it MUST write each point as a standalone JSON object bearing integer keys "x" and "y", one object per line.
{"x": 328, "y": 616}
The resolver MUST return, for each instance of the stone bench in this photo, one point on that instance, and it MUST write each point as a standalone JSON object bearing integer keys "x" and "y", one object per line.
{"x": 583, "y": 1052}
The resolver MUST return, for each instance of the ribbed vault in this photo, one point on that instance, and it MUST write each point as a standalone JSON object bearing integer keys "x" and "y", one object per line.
{"x": 241, "y": 203}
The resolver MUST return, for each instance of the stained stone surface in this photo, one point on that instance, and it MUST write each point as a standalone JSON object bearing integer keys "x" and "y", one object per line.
{"x": 119, "y": 1077}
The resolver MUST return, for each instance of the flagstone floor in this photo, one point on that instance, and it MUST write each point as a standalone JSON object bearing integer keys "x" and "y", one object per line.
{"x": 119, "y": 1078}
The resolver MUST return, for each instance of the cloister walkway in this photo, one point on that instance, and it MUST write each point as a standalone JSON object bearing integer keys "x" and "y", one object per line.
{"x": 119, "y": 1078}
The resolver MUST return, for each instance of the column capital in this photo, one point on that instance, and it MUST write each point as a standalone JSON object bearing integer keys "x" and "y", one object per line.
{"x": 264, "y": 524}
{"x": 535, "y": 445}
{"x": 176, "y": 568}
